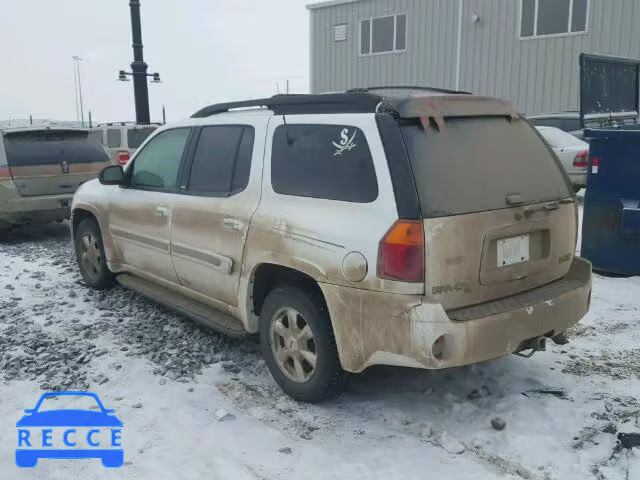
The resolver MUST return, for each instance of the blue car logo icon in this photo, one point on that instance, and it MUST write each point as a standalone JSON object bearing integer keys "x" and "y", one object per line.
{"x": 58, "y": 428}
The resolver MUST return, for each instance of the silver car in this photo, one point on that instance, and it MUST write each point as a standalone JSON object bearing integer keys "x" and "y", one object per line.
{"x": 572, "y": 152}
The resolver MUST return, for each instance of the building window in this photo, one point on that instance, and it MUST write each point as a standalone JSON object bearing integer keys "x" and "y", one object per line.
{"x": 383, "y": 34}
{"x": 553, "y": 17}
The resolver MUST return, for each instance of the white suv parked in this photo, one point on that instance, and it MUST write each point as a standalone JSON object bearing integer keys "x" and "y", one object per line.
{"x": 121, "y": 139}
{"x": 349, "y": 230}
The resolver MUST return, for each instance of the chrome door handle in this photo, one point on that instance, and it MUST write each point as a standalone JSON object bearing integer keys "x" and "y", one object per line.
{"x": 230, "y": 223}
{"x": 162, "y": 211}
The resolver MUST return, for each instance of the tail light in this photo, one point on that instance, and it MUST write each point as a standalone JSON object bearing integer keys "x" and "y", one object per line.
{"x": 123, "y": 157}
{"x": 401, "y": 252}
{"x": 5, "y": 174}
{"x": 581, "y": 160}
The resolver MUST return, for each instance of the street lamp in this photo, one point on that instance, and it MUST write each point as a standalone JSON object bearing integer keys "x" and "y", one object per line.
{"x": 78, "y": 84}
{"x": 138, "y": 68}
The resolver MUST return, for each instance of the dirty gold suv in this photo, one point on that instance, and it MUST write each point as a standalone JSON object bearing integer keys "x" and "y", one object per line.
{"x": 348, "y": 230}
{"x": 40, "y": 169}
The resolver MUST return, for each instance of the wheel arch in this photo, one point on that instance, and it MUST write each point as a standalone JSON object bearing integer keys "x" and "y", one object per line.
{"x": 79, "y": 213}
{"x": 265, "y": 277}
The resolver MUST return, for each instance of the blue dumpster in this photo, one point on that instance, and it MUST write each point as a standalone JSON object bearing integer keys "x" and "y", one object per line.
{"x": 611, "y": 222}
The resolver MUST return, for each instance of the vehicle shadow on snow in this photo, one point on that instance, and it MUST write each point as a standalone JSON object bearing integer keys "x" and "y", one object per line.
{"x": 29, "y": 233}
{"x": 464, "y": 382}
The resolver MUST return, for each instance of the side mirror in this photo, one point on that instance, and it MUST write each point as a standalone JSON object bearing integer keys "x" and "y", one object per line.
{"x": 111, "y": 175}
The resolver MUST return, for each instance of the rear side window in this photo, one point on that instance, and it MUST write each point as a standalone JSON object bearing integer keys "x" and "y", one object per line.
{"x": 135, "y": 136}
{"x": 474, "y": 163}
{"x": 47, "y": 147}
{"x": 323, "y": 161}
{"x": 114, "y": 138}
{"x": 222, "y": 160}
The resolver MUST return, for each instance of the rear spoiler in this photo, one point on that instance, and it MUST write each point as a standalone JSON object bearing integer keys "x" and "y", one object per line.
{"x": 25, "y": 131}
{"x": 438, "y": 107}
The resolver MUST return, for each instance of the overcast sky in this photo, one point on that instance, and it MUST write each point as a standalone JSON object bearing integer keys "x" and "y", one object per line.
{"x": 205, "y": 51}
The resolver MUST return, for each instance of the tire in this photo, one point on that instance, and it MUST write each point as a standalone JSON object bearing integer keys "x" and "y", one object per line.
{"x": 93, "y": 266}
{"x": 326, "y": 379}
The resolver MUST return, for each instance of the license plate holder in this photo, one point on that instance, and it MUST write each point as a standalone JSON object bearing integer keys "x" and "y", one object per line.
{"x": 513, "y": 250}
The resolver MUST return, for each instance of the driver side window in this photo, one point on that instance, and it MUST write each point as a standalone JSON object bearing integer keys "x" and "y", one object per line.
{"x": 157, "y": 165}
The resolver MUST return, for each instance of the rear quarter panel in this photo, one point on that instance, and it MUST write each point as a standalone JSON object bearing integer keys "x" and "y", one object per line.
{"x": 315, "y": 235}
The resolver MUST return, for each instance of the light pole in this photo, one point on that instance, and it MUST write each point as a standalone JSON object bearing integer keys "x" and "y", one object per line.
{"x": 139, "y": 68}
{"x": 76, "y": 69}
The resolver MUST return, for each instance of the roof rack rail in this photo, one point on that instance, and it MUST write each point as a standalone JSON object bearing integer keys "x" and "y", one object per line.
{"x": 350, "y": 102}
{"x": 407, "y": 87}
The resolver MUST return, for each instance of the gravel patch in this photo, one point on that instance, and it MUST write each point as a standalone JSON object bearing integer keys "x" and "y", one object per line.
{"x": 53, "y": 335}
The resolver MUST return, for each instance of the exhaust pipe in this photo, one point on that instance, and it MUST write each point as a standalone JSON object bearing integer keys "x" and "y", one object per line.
{"x": 536, "y": 344}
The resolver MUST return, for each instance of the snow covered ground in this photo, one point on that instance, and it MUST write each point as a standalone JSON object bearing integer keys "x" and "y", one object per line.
{"x": 166, "y": 378}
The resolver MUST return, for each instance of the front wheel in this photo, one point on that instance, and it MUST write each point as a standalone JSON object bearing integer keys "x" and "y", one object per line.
{"x": 299, "y": 346}
{"x": 90, "y": 255}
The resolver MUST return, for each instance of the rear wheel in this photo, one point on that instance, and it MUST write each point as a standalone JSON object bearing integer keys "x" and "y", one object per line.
{"x": 90, "y": 255}
{"x": 298, "y": 344}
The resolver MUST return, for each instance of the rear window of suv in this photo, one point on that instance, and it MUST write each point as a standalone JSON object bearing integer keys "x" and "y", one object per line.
{"x": 323, "y": 161}
{"x": 474, "y": 163}
{"x": 47, "y": 147}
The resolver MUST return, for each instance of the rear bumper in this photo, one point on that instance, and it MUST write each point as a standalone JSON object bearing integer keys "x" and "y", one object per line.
{"x": 18, "y": 210}
{"x": 383, "y": 329}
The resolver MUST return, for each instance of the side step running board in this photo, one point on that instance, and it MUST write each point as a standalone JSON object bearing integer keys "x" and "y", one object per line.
{"x": 208, "y": 316}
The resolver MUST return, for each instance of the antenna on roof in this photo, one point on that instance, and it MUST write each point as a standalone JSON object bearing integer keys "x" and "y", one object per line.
{"x": 286, "y": 130}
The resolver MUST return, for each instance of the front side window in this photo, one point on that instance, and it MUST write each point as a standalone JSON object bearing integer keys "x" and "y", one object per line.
{"x": 383, "y": 34}
{"x": 222, "y": 160}
{"x": 553, "y": 17}
{"x": 323, "y": 161}
{"x": 157, "y": 164}
{"x": 114, "y": 138}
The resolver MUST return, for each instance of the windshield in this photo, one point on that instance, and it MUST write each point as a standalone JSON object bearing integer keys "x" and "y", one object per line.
{"x": 474, "y": 163}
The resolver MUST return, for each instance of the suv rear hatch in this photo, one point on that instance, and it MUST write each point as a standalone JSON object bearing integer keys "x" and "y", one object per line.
{"x": 52, "y": 161}
{"x": 498, "y": 213}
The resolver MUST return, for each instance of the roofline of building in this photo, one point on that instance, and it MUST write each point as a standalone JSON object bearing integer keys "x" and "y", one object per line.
{"x": 329, "y": 3}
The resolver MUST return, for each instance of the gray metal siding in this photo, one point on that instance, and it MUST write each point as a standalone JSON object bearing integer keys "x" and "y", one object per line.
{"x": 538, "y": 75}
{"x": 428, "y": 60}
